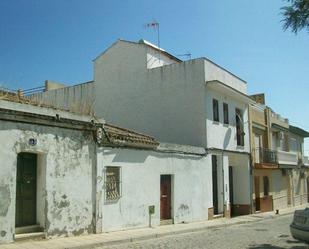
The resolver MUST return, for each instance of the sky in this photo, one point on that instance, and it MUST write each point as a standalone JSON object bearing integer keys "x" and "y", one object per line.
{"x": 58, "y": 39}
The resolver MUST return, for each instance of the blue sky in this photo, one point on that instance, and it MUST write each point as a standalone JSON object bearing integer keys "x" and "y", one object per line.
{"x": 58, "y": 39}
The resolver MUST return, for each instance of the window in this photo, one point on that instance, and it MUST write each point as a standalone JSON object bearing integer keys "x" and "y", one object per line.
{"x": 112, "y": 184}
{"x": 266, "y": 185}
{"x": 215, "y": 106}
{"x": 225, "y": 113}
{"x": 240, "y": 128}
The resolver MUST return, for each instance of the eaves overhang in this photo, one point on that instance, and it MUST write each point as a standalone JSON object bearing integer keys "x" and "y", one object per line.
{"x": 279, "y": 127}
{"x": 223, "y": 88}
{"x": 298, "y": 131}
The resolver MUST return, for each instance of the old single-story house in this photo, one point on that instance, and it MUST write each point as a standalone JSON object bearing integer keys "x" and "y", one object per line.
{"x": 64, "y": 174}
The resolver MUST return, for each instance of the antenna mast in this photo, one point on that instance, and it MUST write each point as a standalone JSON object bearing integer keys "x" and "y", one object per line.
{"x": 155, "y": 25}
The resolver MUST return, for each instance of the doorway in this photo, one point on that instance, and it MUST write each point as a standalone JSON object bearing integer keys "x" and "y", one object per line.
{"x": 217, "y": 185}
{"x": 257, "y": 193}
{"x": 308, "y": 188}
{"x": 26, "y": 185}
{"x": 166, "y": 197}
{"x": 231, "y": 188}
{"x": 289, "y": 190}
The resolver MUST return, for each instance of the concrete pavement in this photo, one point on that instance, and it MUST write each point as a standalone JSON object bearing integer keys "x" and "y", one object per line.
{"x": 113, "y": 238}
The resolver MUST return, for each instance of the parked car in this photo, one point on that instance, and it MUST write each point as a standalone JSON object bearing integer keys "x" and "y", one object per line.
{"x": 300, "y": 225}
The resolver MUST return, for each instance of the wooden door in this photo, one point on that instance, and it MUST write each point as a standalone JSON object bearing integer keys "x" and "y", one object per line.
{"x": 308, "y": 187}
{"x": 215, "y": 184}
{"x": 26, "y": 190}
{"x": 257, "y": 193}
{"x": 289, "y": 190}
{"x": 165, "y": 197}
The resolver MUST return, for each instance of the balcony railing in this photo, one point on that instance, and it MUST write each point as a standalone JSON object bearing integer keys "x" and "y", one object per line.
{"x": 303, "y": 160}
{"x": 288, "y": 158}
{"x": 263, "y": 155}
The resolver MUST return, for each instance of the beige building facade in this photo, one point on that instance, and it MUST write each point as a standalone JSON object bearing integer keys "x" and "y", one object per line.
{"x": 279, "y": 167}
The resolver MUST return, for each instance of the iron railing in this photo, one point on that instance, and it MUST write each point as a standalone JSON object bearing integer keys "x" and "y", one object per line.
{"x": 264, "y": 155}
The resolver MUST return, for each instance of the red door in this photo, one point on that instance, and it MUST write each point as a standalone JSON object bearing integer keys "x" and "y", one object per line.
{"x": 165, "y": 197}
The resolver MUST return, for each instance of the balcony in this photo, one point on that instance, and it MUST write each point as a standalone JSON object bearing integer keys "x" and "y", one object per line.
{"x": 287, "y": 158}
{"x": 265, "y": 156}
{"x": 304, "y": 161}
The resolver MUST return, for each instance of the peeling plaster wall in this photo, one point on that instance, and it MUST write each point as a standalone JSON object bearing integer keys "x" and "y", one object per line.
{"x": 69, "y": 98}
{"x": 140, "y": 171}
{"x": 67, "y": 194}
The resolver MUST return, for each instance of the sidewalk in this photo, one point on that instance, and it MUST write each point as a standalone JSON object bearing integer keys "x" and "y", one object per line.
{"x": 112, "y": 238}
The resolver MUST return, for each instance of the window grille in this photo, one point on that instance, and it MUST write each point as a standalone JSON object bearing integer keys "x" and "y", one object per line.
{"x": 112, "y": 183}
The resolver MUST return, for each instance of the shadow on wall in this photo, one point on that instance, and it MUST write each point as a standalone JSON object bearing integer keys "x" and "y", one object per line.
{"x": 126, "y": 156}
{"x": 227, "y": 138}
{"x": 140, "y": 156}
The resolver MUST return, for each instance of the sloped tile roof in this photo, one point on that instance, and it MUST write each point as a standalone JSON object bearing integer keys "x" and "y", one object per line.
{"x": 125, "y": 137}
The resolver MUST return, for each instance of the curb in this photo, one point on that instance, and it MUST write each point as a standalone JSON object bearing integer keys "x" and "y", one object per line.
{"x": 184, "y": 231}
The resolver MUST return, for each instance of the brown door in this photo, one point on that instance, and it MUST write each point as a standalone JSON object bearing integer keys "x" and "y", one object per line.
{"x": 257, "y": 193}
{"x": 165, "y": 197}
{"x": 26, "y": 190}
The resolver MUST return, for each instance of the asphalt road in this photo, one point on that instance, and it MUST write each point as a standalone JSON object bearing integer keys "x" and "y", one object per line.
{"x": 272, "y": 233}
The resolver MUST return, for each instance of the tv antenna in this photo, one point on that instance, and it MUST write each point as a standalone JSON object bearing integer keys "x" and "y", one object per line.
{"x": 187, "y": 55}
{"x": 156, "y": 26}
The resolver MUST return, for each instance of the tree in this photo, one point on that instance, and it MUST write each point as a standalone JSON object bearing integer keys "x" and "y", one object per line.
{"x": 296, "y": 15}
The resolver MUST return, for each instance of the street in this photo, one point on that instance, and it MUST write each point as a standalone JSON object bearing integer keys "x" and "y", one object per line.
{"x": 269, "y": 233}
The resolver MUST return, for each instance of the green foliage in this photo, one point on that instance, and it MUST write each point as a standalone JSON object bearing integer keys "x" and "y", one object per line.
{"x": 296, "y": 15}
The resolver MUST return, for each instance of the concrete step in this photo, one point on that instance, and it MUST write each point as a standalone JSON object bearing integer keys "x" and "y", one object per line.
{"x": 28, "y": 229}
{"x": 166, "y": 222}
{"x": 218, "y": 216}
{"x": 30, "y": 236}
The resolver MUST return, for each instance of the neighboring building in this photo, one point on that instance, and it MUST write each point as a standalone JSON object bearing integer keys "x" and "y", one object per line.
{"x": 65, "y": 174}
{"x": 300, "y": 176}
{"x": 277, "y": 158}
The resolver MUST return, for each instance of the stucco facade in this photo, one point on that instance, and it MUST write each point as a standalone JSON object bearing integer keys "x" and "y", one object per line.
{"x": 140, "y": 180}
{"x": 69, "y": 150}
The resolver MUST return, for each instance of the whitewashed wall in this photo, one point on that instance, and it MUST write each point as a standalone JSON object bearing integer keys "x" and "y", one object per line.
{"x": 141, "y": 170}
{"x": 220, "y": 135}
{"x": 65, "y": 160}
{"x": 241, "y": 178}
{"x": 166, "y": 102}
{"x": 215, "y": 72}
{"x": 157, "y": 59}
